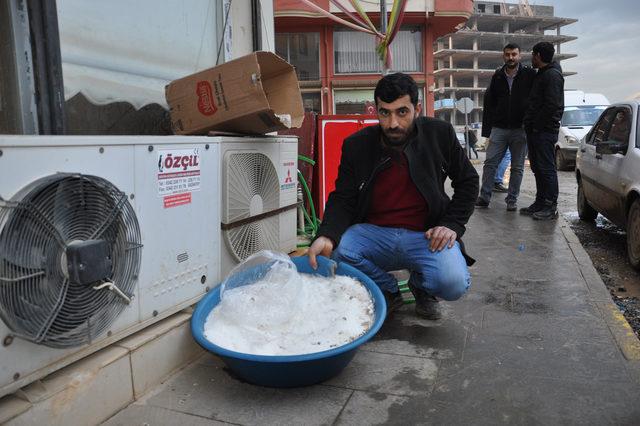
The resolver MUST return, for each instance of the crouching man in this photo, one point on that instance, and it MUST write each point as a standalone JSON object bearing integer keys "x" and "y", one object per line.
{"x": 389, "y": 210}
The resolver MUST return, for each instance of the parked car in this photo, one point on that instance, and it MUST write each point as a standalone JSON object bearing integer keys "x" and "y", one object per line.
{"x": 608, "y": 172}
{"x": 581, "y": 110}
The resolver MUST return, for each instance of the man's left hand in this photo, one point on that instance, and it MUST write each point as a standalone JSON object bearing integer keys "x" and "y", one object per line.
{"x": 440, "y": 237}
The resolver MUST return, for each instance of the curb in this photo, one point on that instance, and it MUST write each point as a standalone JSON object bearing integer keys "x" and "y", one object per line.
{"x": 622, "y": 332}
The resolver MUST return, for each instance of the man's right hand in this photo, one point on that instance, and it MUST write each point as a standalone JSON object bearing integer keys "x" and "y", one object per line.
{"x": 322, "y": 246}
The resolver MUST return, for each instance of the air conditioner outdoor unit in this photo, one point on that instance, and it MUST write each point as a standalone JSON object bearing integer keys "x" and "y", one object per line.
{"x": 103, "y": 236}
{"x": 259, "y": 196}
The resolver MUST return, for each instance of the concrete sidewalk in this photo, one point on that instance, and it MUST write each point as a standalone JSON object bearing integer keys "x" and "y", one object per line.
{"x": 537, "y": 340}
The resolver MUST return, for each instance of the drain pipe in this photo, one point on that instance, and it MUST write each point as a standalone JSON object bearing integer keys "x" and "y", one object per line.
{"x": 256, "y": 20}
{"x": 47, "y": 63}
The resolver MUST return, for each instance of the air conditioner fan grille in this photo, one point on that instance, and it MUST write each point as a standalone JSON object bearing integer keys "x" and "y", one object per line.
{"x": 252, "y": 188}
{"x": 37, "y": 299}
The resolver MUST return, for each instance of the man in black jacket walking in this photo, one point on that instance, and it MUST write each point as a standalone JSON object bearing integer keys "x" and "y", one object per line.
{"x": 542, "y": 122}
{"x": 505, "y": 102}
{"x": 389, "y": 210}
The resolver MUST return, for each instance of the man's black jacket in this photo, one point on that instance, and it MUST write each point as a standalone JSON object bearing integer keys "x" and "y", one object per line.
{"x": 433, "y": 153}
{"x": 504, "y": 108}
{"x": 546, "y": 102}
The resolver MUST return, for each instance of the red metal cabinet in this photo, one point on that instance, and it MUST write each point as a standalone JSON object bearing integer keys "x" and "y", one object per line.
{"x": 332, "y": 130}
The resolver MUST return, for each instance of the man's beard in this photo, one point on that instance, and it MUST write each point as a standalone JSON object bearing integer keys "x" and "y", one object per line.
{"x": 512, "y": 65}
{"x": 400, "y": 138}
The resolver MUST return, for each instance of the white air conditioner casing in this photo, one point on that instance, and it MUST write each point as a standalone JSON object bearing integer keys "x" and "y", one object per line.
{"x": 183, "y": 250}
{"x": 279, "y": 155}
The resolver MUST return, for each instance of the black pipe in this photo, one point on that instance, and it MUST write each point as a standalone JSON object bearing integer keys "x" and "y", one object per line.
{"x": 47, "y": 64}
{"x": 256, "y": 25}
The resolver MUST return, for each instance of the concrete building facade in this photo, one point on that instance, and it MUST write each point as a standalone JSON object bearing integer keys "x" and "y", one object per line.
{"x": 338, "y": 67}
{"x": 466, "y": 59}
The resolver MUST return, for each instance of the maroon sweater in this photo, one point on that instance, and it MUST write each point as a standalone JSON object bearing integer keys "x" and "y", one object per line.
{"x": 396, "y": 201}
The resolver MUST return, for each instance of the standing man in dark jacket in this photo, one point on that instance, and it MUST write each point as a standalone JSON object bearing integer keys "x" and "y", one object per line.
{"x": 505, "y": 102}
{"x": 389, "y": 210}
{"x": 542, "y": 122}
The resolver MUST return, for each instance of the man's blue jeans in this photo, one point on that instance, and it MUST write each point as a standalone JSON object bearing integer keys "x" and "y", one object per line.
{"x": 502, "y": 139}
{"x": 376, "y": 250}
{"x": 502, "y": 167}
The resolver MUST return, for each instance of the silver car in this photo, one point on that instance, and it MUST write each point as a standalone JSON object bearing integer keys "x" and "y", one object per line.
{"x": 608, "y": 172}
{"x": 576, "y": 122}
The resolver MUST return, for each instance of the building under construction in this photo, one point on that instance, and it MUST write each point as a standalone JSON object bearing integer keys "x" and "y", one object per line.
{"x": 466, "y": 60}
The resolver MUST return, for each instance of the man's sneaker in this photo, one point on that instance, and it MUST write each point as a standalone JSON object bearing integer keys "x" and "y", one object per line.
{"x": 427, "y": 306}
{"x": 548, "y": 213}
{"x": 394, "y": 301}
{"x": 499, "y": 187}
{"x": 528, "y": 211}
{"x": 512, "y": 206}
{"x": 481, "y": 203}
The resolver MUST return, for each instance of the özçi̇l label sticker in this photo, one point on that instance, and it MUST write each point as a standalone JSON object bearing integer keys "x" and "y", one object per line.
{"x": 178, "y": 173}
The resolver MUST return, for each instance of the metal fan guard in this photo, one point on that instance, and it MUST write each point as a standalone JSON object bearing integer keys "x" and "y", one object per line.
{"x": 245, "y": 240}
{"x": 37, "y": 300}
{"x": 250, "y": 174}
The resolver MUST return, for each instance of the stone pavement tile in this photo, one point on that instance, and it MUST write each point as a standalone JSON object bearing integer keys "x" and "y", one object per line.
{"x": 496, "y": 220}
{"x": 521, "y": 239}
{"x": 157, "y": 416}
{"x": 535, "y": 296}
{"x": 208, "y": 390}
{"x": 534, "y": 356}
{"x": 406, "y": 334}
{"x": 493, "y": 269}
{"x": 391, "y": 374}
{"x": 468, "y": 311}
{"x": 366, "y": 408}
{"x": 579, "y": 327}
{"x": 451, "y": 311}
{"x": 407, "y": 348}
{"x": 508, "y": 396}
{"x": 531, "y": 285}
{"x": 495, "y": 264}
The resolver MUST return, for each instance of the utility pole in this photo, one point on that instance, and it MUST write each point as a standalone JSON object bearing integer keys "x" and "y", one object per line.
{"x": 383, "y": 28}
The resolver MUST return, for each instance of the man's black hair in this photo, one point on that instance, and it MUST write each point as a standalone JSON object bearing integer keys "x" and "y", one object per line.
{"x": 546, "y": 51}
{"x": 511, "y": 46}
{"x": 394, "y": 86}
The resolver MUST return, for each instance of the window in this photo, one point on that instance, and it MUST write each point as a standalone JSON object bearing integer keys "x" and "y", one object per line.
{"x": 481, "y": 8}
{"x": 496, "y": 9}
{"x": 581, "y": 116}
{"x": 111, "y": 56}
{"x": 302, "y": 50}
{"x": 312, "y": 102}
{"x": 354, "y": 101}
{"x": 599, "y": 132}
{"x": 360, "y": 101}
{"x": 620, "y": 127}
{"x": 355, "y": 52}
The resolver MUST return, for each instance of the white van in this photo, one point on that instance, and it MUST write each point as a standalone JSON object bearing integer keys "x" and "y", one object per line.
{"x": 581, "y": 110}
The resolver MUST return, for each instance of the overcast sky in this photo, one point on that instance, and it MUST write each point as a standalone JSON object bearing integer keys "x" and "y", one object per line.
{"x": 608, "y": 45}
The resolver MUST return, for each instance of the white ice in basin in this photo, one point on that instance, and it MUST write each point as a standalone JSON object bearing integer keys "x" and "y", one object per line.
{"x": 291, "y": 317}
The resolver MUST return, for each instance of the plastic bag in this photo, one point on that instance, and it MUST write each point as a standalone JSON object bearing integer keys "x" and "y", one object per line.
{"x": 257, "y": 267}
{"x": 264, "y": 271}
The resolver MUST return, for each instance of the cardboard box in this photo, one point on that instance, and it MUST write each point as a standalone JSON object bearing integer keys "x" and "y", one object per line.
{"x": 254, "y": 94}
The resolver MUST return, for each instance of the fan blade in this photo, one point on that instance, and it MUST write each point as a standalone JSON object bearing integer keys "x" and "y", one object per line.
{"x": 67, "y": 204}
{"x": 26, "y": 241}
